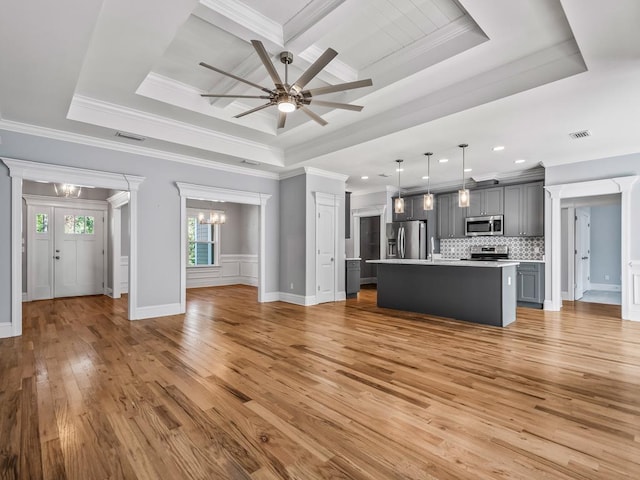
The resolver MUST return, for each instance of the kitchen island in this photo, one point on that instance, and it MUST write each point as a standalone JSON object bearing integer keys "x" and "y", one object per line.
{"x": 475, "y": 291}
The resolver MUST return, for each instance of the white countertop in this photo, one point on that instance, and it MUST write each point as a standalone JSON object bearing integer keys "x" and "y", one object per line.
{"x": 353, "y": 258}
{"x": 445, "y": 262}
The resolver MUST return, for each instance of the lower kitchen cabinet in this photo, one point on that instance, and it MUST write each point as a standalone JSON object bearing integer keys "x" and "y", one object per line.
{"x": 530, "y": 284}
{"x": 353, "y": 277}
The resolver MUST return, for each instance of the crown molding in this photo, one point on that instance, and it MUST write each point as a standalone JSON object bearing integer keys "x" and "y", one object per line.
{"x": 248, "y": 18}
{"x": 119, "y": 199}
{"x": 291, "y": 173}
{"x": 133, "y": 149}
{"x": 117, "y": 117}
{"x": 215, "y": 194}
{"x": 309, "y": 16}
{"x": 325, "y": 173}
{"x": 78, "y": 176}
{"x": 387, "y": 189}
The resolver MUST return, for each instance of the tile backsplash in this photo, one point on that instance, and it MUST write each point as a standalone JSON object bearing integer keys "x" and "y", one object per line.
{"x": 520, "y": 248}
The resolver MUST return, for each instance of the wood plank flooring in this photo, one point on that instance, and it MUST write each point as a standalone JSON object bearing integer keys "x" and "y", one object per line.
{"x": 240, "y": 390}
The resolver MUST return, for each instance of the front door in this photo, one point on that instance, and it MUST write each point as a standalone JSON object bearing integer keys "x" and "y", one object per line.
{"x": 582, "y": 251}
{"x": 78, "y": 252}
{"x": 326, "y": 264}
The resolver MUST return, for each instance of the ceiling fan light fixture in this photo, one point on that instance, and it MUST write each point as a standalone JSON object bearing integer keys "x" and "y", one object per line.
{"x": 286, "y": 103}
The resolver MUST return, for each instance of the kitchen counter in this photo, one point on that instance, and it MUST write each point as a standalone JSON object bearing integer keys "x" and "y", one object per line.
{"x": 473, "y": 291}
{"x": 450, "y": 263}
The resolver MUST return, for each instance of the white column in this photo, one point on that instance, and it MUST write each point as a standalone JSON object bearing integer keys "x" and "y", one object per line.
{"x": 16, "y": 256}
{"x": 553, "y": 250}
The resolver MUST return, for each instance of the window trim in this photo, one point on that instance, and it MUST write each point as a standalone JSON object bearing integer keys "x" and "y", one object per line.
{"x": 193, "y": 213}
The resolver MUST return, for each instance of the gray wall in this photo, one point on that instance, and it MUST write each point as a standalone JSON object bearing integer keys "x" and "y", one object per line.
{"x": 621, "y": 166}
{"x": 292, "y": 235}
{"x": 158, "y": 214}
{"x": 124, "y": 230}
{"x": 605, "y": 244}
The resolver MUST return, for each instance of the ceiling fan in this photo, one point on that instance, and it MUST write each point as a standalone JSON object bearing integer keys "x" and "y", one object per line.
{"x": 292, "y": 97}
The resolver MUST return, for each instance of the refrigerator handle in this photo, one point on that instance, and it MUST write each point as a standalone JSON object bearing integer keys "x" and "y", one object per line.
{"x": 402, "y": 242}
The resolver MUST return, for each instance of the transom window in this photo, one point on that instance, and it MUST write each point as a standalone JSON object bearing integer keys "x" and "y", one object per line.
{"x": 79, "y": 224}
{"x": 203, "y": 241}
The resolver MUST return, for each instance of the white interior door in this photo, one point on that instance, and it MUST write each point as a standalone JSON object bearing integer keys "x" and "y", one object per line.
{"x": 78, "y": 252}
{"x": 325, "y": 264}
{"x": 582, "y": 251}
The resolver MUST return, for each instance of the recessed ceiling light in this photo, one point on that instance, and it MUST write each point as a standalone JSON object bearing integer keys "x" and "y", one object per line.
{"x": 498, "y": 148}
{"x": 426, "y": 177}
{"x": 468, "y": 169}
{"x": 443, "y": 160}
{"x": 364, "y": 177}
{"x": 520, "y": 160}
{"x": 399, "y": 169}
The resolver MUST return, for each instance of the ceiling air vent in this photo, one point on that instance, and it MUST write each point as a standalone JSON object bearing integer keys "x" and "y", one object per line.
{"x": 250, "y": 162}
{"x": 384, "y": 175}
{"x": 580, "y": 134}
{"x": 130, "y": 136}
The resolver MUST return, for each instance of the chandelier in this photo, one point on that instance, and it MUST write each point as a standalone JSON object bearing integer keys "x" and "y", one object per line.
{"x": 214, "y": 218}
{"x": 67, "y": 190}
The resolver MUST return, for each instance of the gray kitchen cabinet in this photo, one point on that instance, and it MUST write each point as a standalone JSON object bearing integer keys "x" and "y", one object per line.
{"x": 450, "y": 216}
{"x": 408, "y": 210}
{"x": 486, "y": 201}
{"x": 524, "y": 210}
{"x": 417, "y": 205}
{"x": 530, "y": 284}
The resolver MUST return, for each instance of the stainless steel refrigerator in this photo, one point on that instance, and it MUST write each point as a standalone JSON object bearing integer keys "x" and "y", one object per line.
{"x": 407, "y": 239}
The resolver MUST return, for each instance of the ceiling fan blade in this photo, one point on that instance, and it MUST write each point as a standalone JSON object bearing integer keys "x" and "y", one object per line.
{"x": 268, "y": 64}
{"x": 337, "y": 88}
{"x": 345, "y": 106}
{"x": 313, "y": 115}
{"x": 214, "y": 95}
{"x": 235, "y": 77}
{"x": 282, "y": 117}
{"x": 315, "y": 68}
{"x": 254, "y": 110}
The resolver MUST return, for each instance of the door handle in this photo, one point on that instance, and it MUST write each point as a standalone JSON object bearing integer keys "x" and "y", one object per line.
{"x": 57, "y": 257}
{"x": 332, "y": 259}
{"x": 585, "y": 258}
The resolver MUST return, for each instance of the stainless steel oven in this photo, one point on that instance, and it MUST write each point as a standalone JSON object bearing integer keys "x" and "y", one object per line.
{"x": 489, "y": 225}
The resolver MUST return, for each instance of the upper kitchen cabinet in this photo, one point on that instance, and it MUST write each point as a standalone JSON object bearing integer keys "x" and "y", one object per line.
{"x": 450, "y": 216}
{"x": 487, "y": 201}
{"x": 347, "y": 214}
{"x": 417, "y": 205}
{"x": 408, "y": 210}
{"x": 524, "y": 210}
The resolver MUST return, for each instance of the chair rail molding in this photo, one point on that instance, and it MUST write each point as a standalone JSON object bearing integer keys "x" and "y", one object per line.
{"x": 20, "y": 170}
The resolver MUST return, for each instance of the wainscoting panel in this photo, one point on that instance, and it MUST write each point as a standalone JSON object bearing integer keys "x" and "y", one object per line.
{"x": 233, "y": 270}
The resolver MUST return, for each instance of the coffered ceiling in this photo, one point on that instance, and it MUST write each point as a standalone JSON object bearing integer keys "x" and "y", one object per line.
{"x": 520, "y": 74}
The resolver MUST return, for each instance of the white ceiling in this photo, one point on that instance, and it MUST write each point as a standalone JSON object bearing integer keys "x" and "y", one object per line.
{"x": 520, "y": 74}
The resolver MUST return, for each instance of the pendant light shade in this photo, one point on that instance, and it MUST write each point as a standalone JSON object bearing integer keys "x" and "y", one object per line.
{"x": 398, "y": 205}
{"x": 463, "y": 194}
{"x": 427, "y": 201}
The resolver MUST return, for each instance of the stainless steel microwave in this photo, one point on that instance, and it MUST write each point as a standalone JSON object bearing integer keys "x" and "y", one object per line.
{"x": 489, "y": 225}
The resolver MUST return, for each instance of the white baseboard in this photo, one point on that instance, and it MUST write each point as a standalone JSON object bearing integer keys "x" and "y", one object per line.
{"x": 606, "y": 287}
{"x": 566, "y": 296}
{"x": 221, "y": 282}
{"x": 25, "y": 297}
{"x": 548, "y": 305}
{"x": 341, "y": 296}
{"x": 298, "y": 299}
{"x": 270, "y": 297}
{"x": 157, "y": 311}
{"x": 6, "y": 330}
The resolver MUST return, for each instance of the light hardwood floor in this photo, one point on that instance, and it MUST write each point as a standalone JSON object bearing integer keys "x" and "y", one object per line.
{"x": 240, "y": 390}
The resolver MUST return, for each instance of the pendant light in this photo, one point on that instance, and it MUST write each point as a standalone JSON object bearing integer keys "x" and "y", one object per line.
{"x": 463, "y": 195}
{"x": 427, "y": 201}
{"x": 398, "y": 206}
